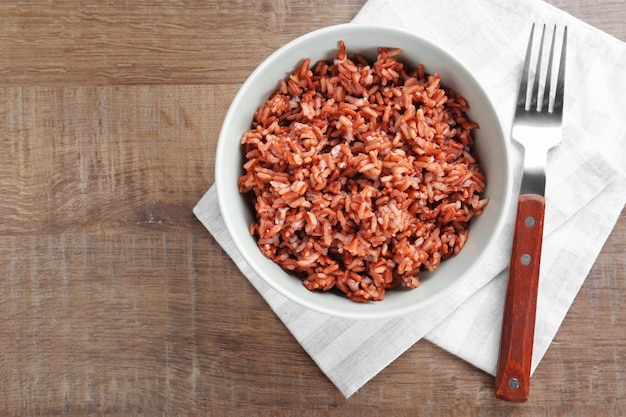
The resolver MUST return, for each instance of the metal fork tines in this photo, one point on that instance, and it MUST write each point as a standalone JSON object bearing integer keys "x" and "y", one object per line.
{"x": 538, "y": 116}
{"x": 537, "y": 126}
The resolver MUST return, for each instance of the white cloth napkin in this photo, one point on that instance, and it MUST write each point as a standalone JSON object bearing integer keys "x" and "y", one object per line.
{"x": 586, "y": 191}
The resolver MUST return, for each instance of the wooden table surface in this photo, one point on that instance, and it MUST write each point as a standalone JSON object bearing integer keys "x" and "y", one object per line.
{"x": 114, "y": 300}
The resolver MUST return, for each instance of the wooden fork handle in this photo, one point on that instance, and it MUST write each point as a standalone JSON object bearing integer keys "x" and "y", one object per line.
{"x": 518, "y": 324}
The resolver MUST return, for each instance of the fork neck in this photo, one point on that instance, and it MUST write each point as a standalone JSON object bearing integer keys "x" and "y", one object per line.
{"x": 534, "y": 176}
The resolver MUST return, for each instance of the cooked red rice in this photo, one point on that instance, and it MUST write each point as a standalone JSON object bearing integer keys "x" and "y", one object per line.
{"x": 361, "y": 174}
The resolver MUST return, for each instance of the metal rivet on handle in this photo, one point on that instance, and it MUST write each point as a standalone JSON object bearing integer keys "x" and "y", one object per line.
{"x": 530, "y": 221}
{"x": 525, "y": 259}
{"x": 514, "y": 383}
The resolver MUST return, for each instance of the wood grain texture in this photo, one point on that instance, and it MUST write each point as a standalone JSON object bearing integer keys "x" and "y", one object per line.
{"x": 152, "y": 41}
{"x": 106, "y": 158}
{"x": 520, "y": 304}
{"x": 116, "y": 301}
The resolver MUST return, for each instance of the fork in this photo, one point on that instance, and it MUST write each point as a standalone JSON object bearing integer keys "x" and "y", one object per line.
{"x": 537, "y": 128}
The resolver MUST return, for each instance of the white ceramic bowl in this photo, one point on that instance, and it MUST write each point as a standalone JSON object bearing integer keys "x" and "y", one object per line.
{"x": 490, "y": 144}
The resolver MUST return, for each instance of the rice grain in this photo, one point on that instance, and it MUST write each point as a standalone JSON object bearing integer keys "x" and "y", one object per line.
{"x": 361, "y": 174}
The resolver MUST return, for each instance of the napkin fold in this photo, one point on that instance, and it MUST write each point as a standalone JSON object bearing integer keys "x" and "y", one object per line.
{"x": 586, "y": 191}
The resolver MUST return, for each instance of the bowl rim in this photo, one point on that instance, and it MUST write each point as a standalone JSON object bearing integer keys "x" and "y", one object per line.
{"x": 304, "y": 302}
